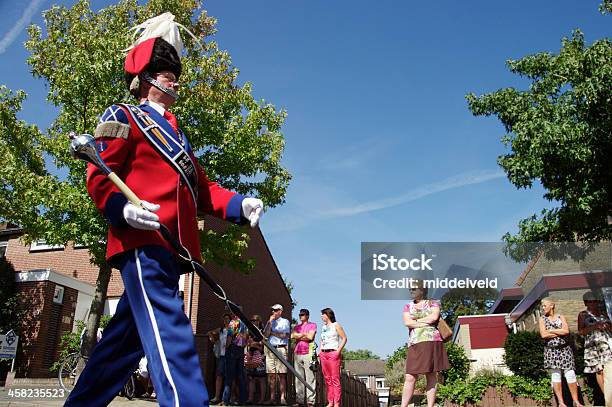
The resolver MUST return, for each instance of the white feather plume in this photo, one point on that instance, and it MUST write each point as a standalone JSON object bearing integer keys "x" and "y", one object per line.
{"x": 162, "y": 26}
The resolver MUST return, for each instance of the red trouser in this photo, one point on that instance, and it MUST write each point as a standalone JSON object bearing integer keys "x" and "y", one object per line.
{"x": 330, "y": 364}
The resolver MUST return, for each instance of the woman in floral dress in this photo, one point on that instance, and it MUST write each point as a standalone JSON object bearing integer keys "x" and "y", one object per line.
{"x": 426, "y": 354}
{"x": 594, "y": 325}
{"x": 558, "y": 355}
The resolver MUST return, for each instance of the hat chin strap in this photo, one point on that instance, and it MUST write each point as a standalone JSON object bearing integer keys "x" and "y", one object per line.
{"x": 168, "y": 91}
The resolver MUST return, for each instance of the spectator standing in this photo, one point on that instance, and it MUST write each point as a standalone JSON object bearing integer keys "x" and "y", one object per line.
{"x": 234, "y": 360}
{"x": 277, "y": 331}
{"x": 594, "y": 325}
{"x": 304, "y": 333}
{"x": 333, "y": 340}
{"x": 558, "y": 355}
{"x": 219, "y": 338}
{"x": 426, "y": 354}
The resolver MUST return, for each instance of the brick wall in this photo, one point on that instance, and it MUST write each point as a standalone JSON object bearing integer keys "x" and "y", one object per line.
{"x": 42, "y": 326}
{"x": 70, "y": 261}
{"x": 567, "y": 303}
{"x": 598, "y": 259}
{"x": 31, "y": 299}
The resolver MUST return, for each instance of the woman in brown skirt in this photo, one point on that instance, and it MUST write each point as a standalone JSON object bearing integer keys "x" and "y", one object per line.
{"x": 426, "y": 354}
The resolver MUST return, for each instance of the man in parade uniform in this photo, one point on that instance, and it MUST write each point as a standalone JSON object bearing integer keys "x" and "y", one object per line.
{"x": 144, "y": 146}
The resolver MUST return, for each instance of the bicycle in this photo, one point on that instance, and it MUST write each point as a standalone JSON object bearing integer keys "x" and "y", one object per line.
{"x": 68, "y": 372}
{"x": 129, "y": 388}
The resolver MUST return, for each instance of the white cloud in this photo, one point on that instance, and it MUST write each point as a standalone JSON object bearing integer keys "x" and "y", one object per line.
{"x": 457, "y": 181}
{"x": 310, "y": 201}
{"x": 20, "y": 24}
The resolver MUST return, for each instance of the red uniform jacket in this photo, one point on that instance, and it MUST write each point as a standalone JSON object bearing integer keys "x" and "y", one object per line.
{"x": 137, "y": 162}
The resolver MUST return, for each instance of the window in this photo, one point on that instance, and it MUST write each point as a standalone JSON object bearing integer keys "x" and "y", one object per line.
{"x": 365, "y": 380}
{"x": 41, "y": 244}
{"x": 380, "y": 383}
{"x": 3, "y": 246}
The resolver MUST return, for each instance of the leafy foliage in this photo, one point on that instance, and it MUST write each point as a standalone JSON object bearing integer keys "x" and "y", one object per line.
{"x": 459, "y": 364}
{"x": 227, "y": 248}
{"x": 558, "y": 132}
{"x": 394, "y": 376}
{"x": 10, "y": 313}
{"x": 359, "y": 354}
{"x": 395, "y": 370}
{"x": 472, "y": 390}
{"x": 397, "y": 355}
{"x": 524, "y": 352}
{"x": 466, "y": 301}
{"x": 395, "y": 367}
{"x": 70, "y": 342}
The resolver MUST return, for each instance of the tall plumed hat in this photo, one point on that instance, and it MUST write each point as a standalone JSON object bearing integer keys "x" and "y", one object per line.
{"x": 158, "y": 47}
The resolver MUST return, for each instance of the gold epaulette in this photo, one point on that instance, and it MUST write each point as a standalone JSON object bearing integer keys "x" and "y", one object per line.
{"x": 112, "y": 129}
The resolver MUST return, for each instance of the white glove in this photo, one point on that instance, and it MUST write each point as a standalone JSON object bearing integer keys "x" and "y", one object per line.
{"x": 140, "y": 218}
{"x": 251, "y": 209}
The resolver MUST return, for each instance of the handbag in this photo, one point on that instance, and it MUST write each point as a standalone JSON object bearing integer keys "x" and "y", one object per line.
{"x": 445, "y": 332}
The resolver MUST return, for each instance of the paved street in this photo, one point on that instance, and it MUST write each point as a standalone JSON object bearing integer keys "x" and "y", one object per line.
{"x": 24, "y": 397}
{"x": 52, "y": 396}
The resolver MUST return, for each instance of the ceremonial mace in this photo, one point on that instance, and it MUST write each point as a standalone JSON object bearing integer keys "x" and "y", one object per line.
{"x": 83, "y": 147}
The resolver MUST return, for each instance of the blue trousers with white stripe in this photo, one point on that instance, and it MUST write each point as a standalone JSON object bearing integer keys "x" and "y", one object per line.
{"x": 149, "y": 321}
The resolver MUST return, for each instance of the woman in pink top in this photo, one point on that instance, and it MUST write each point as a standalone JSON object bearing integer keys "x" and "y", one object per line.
{"x": 426, "y": 354}
{"x": 304, "y": 333}
{"x": 333, "y": 340}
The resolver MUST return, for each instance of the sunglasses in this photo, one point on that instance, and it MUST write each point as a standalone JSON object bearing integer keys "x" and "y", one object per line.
{"x": 254, "y": 320}
{"x": 303, "y": 315}
{"x": 276, "y": 310}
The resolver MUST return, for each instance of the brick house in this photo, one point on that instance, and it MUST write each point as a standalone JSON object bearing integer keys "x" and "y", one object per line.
{"x": 518, "y": 308}
{"x": 57, "y": 283}
{"x": 566, "y": 281}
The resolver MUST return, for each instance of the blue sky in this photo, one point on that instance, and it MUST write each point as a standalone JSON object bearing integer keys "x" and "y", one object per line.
{"x": 378, "y": 137}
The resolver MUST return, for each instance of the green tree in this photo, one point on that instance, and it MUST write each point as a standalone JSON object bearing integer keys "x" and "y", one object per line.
{"x": 79, "y": 57}
{"x": 9, "y": 304}
{"x": 398, "y": 354}
{"x": 359, "y": 354}
{"x": 558, "y": 132}
{"x": 459, "y": 364}
{"x": 10, "y": 312}
{"x": 466, "y": 301}
{"x": 523, "y": 354}
{"x": 395, "y": 370}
